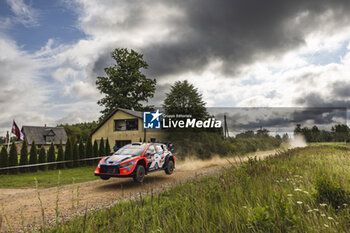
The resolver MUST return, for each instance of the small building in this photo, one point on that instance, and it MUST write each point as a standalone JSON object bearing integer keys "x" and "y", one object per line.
{"x": 124, "y": 126}
{"x": 44, "y": 135}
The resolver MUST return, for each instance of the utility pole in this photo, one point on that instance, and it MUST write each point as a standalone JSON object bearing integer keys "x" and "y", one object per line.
{"x": 226, "y": 135}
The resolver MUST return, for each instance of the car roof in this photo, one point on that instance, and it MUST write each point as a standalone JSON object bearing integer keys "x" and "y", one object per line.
{"x": 144, "y": 144}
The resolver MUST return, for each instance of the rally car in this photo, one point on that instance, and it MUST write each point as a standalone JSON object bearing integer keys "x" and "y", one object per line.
{"x": 136, "y": 160}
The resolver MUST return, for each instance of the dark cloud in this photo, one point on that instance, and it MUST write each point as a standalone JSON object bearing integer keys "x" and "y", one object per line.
{"x": 160, "y": 94}
{"x": 239, "y": 32}
{"x": 279, "y": 119}
{"x": 314, "y": 99}
{"x": 97, "y": 68}
{"x": 341, "y": 89}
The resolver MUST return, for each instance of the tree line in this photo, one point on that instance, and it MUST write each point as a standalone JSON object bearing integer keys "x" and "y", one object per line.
{"x": 75, "y": 150}
{"x": 338, "y": 133}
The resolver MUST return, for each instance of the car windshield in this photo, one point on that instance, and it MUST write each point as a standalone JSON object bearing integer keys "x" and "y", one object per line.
{"x": 131, "y": 150}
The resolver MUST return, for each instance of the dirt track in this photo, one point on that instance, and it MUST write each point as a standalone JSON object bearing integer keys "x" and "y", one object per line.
{"x": 98, "y": 194}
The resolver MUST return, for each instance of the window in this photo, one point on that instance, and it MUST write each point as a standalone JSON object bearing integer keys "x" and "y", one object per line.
{"x": 153, "y": 139}
{"x": 124, "y": 125}
{"x": 151, "y": 149}
{"x": 159, "y": 149}
{"x": 164, "y": 148}
{"x": 48, "y": 139}
{"x": 121, "y": 143}
{"x": 49, "y": 136}
{"x": 131, "y": 150}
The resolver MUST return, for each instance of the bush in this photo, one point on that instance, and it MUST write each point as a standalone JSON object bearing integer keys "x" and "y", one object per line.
{"x": 33, "y": 157}
{"x": 330, "y": 192}
{"x": 102, "y": 151}
{"x": 95, "y": 150}
{"x": 4, "y": 158}
{"x": 13, "y": 160}
{"x": 68, "y": 154}
{"x": 51, "y": 156}
{"x": 75, "y": 154}
{"x": 24, "y": 156}
{"x": 42, "y": 158}
{"x": 82, "y": 152}
{"x": 108, "y": 147}
{"x": 89, "y": 151}
{"x": 60, "y": 156}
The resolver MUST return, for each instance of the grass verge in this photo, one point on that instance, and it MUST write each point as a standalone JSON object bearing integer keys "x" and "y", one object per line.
{"x": 302, "y": 190}
{"x": 48, "y": 179}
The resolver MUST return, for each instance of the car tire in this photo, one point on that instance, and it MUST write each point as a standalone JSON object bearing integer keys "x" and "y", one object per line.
{"x": 170, "y": 167}
{"x": 140, "y": 172}
{"x": 105, "y": 177}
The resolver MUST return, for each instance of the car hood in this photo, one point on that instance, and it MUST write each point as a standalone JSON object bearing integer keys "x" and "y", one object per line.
{"x": 116, "y": 159}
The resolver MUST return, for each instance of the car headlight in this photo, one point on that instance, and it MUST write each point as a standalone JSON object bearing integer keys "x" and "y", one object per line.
{"x": 128, "y": 164}
{"x": 101, "y": 161}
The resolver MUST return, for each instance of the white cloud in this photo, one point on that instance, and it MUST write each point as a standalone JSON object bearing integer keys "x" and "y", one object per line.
{"x": 22, "y": 91}
{"x": 83, "y": 89}
{"x": 24, "y": 13}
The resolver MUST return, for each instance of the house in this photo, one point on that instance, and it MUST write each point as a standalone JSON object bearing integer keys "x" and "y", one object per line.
{"x": 124, "y": 126}
{"x": 43, "y": 135}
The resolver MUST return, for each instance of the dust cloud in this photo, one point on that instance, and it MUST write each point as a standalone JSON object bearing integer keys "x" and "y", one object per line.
{"x": 297, "y": 141}
{"x": 193, "y": 163}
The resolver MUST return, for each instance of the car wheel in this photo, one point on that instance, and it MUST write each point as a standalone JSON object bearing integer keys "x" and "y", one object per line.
{"x": 170, "y": 168}
{"x": 105, "y": 177}
{"x": 139, "y": 173}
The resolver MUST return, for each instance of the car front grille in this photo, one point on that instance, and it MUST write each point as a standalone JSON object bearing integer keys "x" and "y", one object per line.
{"x": 109, "y": 169}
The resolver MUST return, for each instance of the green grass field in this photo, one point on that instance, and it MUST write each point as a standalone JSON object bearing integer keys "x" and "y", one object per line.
{"x": 48, "y": 178}
{"x": 303, "y": 190}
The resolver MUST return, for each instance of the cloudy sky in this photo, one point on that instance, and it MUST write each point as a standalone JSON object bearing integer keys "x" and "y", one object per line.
{"x": 239, "y": 53}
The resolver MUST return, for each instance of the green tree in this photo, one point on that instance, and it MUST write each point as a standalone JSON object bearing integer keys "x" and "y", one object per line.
{"x": 184, "y": 98}
{"x": 4, "y": 159}
{"x": 278, "y": 137}
{"x": 246, "y": 134}
{"x": 89, "y": 151}
{"x": 13, "y": 160}
{"x": 60, "y": 155}
{"x": 51, "y": 156}
{"x": 297, "y": 130}
{"x": 326, "y": 136}
{"x": 307, "y": 133}
{"x": 285, "y": 137}
{"x": 95, "y": 149}
{"x": 315, "y": 134}
{"x": 68, "y": 154}
{"x": 108, "y": 147}
{"x": 42, "y": 158}
{"x": 341, "y": 133}
{"x": 33, "y": 159}
{"x": 80, "y": 129}
{"x": 102, "y": 151}
{"x": 24, "y": 156}
{"x": 125, "y": 85}
{"x": 82, "y": 152}
{"x": 75, "y": 153}
{"x": 262, "y": 133}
